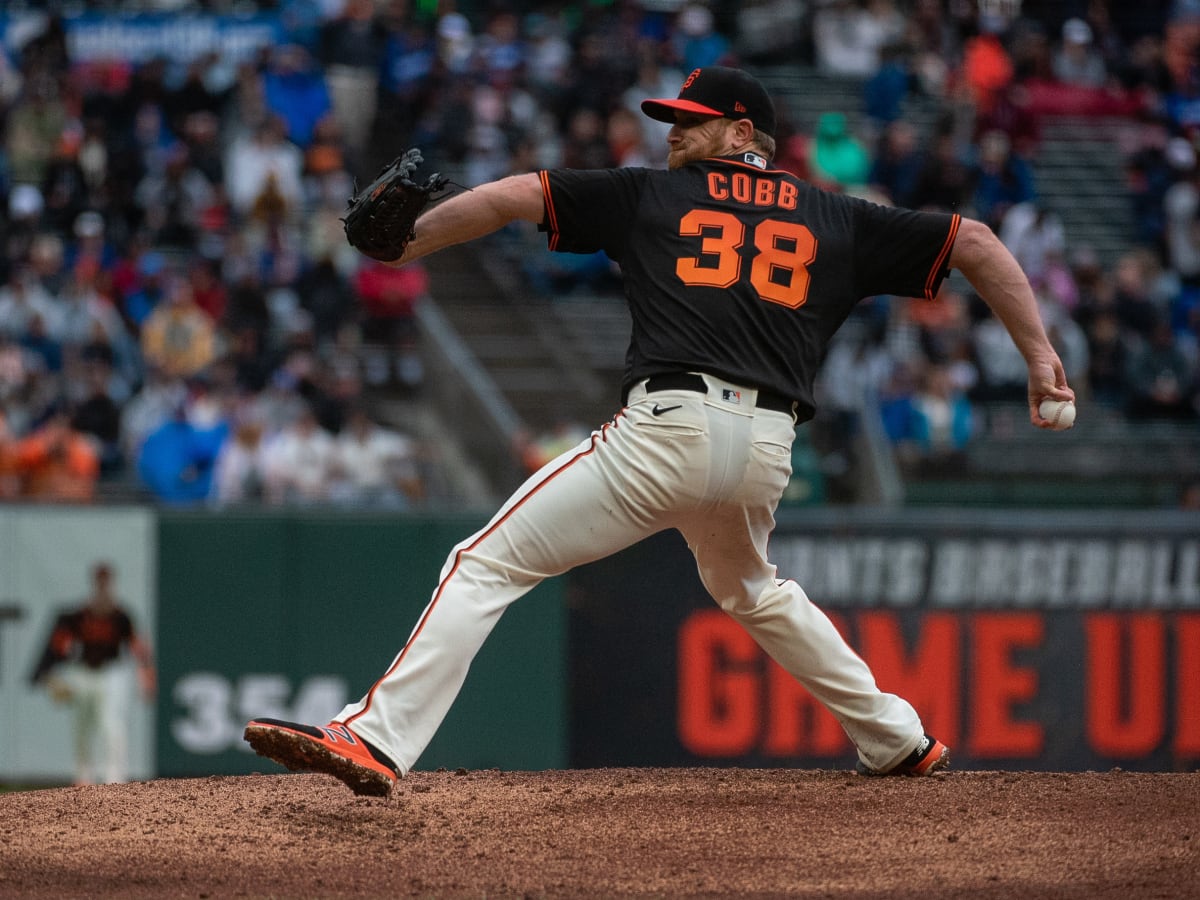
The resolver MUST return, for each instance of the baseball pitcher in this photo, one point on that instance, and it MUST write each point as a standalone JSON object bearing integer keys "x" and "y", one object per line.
{"x": 737, "y": 274}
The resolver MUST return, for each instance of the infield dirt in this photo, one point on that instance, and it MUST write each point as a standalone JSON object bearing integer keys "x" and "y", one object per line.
{"x": 613, "y": 833}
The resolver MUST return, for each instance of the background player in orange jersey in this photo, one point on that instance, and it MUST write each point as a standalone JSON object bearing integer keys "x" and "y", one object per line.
{"x": 82, "y": 664}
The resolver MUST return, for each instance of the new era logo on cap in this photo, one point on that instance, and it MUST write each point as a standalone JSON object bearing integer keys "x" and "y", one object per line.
{"x": 718, "y": 91}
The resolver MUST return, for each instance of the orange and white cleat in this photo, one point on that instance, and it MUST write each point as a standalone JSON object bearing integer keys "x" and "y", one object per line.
{"x": 931, "y": 756}
{"x": 332, "y": 749}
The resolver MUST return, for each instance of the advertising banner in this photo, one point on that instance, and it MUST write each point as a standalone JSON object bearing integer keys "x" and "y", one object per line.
{"x": 138, "y": 37}
{"x": 1025, "y": 640}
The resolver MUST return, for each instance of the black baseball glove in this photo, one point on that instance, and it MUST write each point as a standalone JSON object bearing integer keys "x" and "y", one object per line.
{"x": 381, "y": 217}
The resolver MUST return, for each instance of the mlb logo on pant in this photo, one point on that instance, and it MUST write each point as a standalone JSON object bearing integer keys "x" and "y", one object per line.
{"x": 730, "y": 396}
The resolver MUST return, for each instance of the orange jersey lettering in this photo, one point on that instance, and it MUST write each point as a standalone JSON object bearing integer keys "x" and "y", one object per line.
{"x": 743, "y": 192}
{"x": 747, "y": 189}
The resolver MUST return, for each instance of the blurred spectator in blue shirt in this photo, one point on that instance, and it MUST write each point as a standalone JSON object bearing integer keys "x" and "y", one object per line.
{"x": 943, "y": 414}
{"x": 885, "y": 91}
{"x": 176, "y": 460}
{"x": 152, "y": 138}
{"x": 939, "y": 426}
{"x": 153, "y": 403}
{"x": 151, "y": 288}
{"x": 295, "y": 89}
{"x": 697, "y": 42}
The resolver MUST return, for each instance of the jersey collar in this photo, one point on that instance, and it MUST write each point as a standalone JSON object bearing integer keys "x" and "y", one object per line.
{"x": 745, "y": 159}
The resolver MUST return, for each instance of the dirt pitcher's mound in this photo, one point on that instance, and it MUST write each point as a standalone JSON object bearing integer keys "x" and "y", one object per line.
{"x": 612, "y": 833}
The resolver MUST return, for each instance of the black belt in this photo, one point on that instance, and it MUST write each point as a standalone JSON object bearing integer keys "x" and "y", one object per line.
{"x": 689, "y": 381}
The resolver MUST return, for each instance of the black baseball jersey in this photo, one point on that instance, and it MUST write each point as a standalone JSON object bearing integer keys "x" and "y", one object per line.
{"x": 84, "y": 635}
{"x": 741, "y": 270}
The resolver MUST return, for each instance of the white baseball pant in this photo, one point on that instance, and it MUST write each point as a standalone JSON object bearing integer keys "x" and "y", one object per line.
{"x": 100, "y": 702}
{"x": 714, "y": 467}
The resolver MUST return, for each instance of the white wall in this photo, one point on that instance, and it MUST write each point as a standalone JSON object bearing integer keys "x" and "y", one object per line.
{"x": 46, "y": 555}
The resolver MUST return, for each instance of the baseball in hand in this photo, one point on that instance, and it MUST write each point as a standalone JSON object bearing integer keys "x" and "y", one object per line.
{"x": 1059, "y": 413}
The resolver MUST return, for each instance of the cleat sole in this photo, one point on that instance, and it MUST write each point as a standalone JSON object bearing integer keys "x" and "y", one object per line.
{"x": 299, "y": 753}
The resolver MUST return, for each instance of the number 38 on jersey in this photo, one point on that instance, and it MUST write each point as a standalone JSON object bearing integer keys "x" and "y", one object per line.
{"x": 783, "y": 251}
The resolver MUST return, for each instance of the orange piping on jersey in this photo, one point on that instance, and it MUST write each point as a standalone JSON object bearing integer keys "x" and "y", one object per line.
{"x": 596, "y": 436}
{"x": 940, "y": 262}
{"x": 544, "y": 177}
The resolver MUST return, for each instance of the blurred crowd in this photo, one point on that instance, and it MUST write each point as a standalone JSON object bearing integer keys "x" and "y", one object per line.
{"x": 179, "y": 310}
{"x": 1127, "y": 328}
{"x": 180, "y": 315}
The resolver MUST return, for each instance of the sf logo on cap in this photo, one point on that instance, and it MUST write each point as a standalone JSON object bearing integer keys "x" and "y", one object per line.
{"x": 687, "y": 84}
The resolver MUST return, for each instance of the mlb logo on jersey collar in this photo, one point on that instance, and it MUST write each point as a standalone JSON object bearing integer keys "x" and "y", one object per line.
{"x": 731, "y": 396}
{"x": 753, "y": 159}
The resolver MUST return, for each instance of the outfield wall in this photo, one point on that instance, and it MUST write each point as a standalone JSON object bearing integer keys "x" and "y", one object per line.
{"x": 1027, "y": 640}
{"x": 1054, "y": 641}
{"x": 282, "y": 614}
{"x": 46, "y": 555}
{"x": 293, "y": 616}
